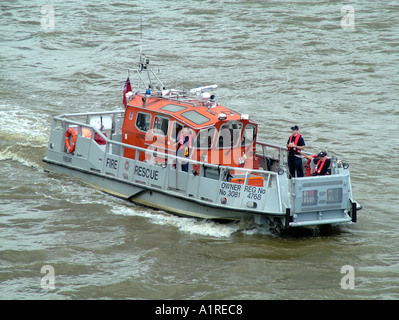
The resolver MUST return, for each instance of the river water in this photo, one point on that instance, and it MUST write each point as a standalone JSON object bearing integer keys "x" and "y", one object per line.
{"x": 333, "y": 73}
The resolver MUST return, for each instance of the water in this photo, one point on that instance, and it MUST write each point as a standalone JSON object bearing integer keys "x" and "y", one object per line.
{"x": 283, "y": 62}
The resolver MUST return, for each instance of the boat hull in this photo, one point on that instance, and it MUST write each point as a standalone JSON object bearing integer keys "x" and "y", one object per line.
{"x": 171, "y": 202}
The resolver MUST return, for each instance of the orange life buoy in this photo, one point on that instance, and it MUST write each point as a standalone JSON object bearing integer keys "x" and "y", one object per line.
{"x": 70, "y": 147}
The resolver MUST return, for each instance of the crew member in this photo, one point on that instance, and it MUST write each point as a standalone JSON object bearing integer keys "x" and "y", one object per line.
{"x": 322, "y": 163}
{"x": 295, "y": 145}
{"x": 185, "y": 147}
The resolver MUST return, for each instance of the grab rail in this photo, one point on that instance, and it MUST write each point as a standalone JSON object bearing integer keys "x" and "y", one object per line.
{"x": 266, "y": 175}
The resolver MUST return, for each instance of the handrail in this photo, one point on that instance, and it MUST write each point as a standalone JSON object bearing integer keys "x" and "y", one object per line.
{"x": 60, "y": 117}
{"x": 222, "y": 169}
{"x": 159, "y": 154}
{"x": 279, "y": 148}
{"x": 271, "y": 145}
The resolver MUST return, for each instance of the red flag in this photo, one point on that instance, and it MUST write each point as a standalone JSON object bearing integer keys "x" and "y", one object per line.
{"x": 127, "y": 88}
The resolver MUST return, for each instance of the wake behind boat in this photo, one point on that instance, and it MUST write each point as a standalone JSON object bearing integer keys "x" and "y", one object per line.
{"x": 184, "y": 153}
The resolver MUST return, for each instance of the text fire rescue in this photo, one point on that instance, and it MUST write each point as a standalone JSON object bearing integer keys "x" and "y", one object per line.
{"x": 111, "y": 163}
{"x": 146, "y": 173}
{"x": 138, "y": 170}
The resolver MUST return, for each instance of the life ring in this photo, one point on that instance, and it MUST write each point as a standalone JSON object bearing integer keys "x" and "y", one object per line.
{"x": 70, "y": 147}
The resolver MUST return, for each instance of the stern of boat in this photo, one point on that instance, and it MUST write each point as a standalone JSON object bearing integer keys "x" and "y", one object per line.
{"x": 319, "y": 200}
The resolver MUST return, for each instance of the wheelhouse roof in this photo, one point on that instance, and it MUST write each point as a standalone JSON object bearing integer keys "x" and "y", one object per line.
{"x": 190, "y": 111}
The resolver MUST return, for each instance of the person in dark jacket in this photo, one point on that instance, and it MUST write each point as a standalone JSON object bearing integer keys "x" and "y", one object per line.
{"x": 184, "y": 141}
{"x": 322, "y": 163}
{"x": 295, "y": 145}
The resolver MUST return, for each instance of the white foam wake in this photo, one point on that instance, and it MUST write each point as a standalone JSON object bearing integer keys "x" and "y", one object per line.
{"x": 19, "y": 124}
{"x": 15, "y": 153}
{"x": 189, "y": 225}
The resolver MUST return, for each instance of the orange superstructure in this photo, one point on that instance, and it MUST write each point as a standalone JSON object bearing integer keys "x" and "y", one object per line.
{"x": 154, "y": 120}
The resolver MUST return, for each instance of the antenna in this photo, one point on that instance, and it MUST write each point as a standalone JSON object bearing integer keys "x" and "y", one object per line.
{"x": 141, "y": 32}
{"x": 143, "y": 66}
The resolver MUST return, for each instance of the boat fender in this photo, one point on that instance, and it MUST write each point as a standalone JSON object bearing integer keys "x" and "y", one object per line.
{"x": 70, "y": 147}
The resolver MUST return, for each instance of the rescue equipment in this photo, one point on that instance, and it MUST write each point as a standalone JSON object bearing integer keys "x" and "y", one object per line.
{"x": 182, "y": 144}
{"x": 317, "y": 169}
{"x": 70, "y": 147}
{"x": 296, "y": 141}
{"x": 252, "y": 181}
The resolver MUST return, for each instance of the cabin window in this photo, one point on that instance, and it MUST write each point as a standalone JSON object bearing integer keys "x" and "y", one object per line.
{"x": 130, "y": 115}
{"x": 176, "y": 128}
{"x": 204, "y": 138}
{"x": 143, "y": 121}
{"x": 229, "y": 134}
{"x": 173, "y": 108}
{"x": 249, "y": 135}
{"x": 195, "y": 117}
{"x": 161, "y": 126}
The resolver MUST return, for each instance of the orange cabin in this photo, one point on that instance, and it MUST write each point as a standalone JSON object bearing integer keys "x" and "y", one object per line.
{"x": 219, "y": 135}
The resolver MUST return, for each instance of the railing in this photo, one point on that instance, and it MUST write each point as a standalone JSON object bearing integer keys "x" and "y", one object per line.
{"x": 267, "y": 160}
{"x": 222, "y": 171}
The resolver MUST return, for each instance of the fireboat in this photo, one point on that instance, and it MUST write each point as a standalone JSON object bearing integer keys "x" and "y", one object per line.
{"x": 184, "y": 153}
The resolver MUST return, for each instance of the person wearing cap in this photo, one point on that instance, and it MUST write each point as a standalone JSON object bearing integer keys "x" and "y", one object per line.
{"x": 185, "y": 146}
{"x": 295, "y": 145}
{"x": 322, "y": 163}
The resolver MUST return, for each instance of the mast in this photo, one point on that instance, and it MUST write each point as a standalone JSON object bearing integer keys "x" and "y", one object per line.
{"x": 141, "y": 33}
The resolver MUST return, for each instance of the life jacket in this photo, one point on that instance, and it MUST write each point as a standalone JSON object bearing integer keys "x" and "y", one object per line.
{"x": 296, "y": 141}
{"x": 318, "y": 168}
